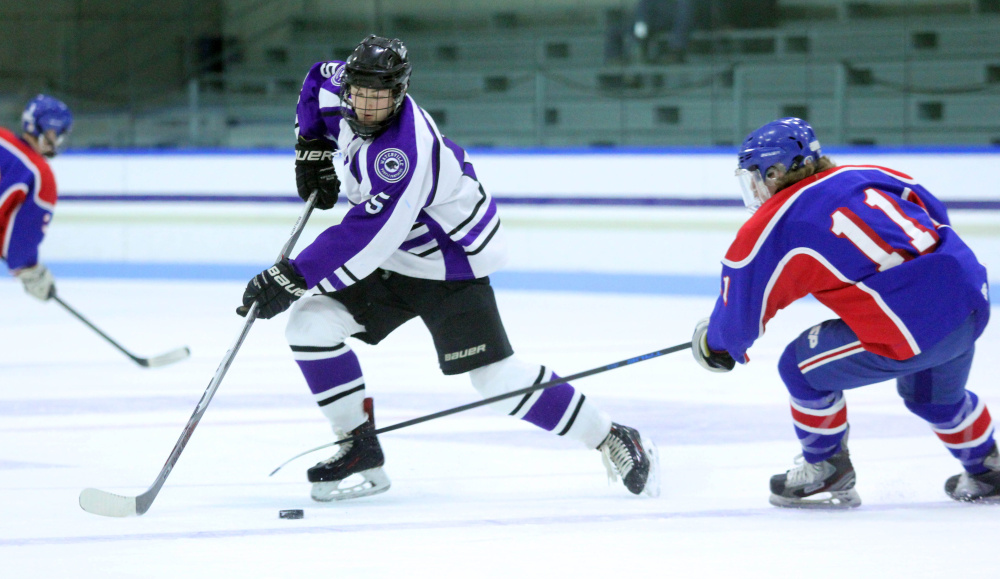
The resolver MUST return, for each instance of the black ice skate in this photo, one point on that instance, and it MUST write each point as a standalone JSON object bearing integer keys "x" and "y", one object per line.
{"x": 828, "y": 484}
{"x": 362, "y": 457}
{"x": 633, "y": 457}
{"x": 977, "y": 487}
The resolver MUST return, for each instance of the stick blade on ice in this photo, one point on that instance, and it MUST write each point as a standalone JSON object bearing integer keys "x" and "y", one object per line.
{"x": 107, "y": 504}
{"x": 167, "y": 358}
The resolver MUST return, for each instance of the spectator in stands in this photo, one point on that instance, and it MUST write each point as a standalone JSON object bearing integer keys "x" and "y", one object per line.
{"x": 636, "y": 35}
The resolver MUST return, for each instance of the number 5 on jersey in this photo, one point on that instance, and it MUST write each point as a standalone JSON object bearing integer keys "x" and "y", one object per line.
{"x": 376, "y": 203}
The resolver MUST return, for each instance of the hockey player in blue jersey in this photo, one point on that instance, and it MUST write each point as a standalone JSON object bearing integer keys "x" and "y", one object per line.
{"x": 28, "y": 190}
{"x": 877, "y": 248}
{"x": 420, "y": 239}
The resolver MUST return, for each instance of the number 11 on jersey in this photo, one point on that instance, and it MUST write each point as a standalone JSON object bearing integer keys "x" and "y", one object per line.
{"x": 848, "y": 225}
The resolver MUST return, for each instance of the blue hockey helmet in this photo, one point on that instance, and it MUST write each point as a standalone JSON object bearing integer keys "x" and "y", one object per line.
{"x": 45, "y": 113}
{"x": 789, "y": 142}
{"x": 376, "y": 63}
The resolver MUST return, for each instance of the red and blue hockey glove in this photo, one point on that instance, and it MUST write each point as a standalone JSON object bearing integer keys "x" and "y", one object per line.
{"x": 709, "y": 359}
{"x": 274, "y": 290}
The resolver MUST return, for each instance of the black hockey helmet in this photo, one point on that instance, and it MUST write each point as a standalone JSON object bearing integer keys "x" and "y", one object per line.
{"x": 377, "y": 63}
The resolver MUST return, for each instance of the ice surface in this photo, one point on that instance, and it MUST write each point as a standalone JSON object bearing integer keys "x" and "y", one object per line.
{"x": 474, "y": 495}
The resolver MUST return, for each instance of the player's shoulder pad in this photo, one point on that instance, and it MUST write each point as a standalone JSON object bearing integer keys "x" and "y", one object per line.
{"x": 34, "y": 164}
{"x": 330, "y": 70}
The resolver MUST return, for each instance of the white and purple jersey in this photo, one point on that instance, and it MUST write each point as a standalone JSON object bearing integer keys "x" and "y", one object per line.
{"x": 868, "y": 242}
{"x": 417, "y": 207}
{"x": 27, "y": 200}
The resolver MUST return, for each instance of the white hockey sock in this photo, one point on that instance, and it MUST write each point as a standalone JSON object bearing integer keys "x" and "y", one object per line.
{"x": 561, "y": 409}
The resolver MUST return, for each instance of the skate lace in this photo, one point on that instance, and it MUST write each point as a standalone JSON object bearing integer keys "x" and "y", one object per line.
{"x": 616, "y": 458}
{"x": 804, "y": 472}
{"x": 342, "y": 451}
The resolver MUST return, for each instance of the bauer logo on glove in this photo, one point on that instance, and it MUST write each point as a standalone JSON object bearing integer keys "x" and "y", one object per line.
{"x": 274, "y": 290}
{"x": 290, "y": 286}
{"x": 314, "y": 171}
{"x": 305, "y": 155}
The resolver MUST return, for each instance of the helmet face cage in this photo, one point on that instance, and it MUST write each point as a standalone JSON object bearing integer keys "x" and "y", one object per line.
{"x": 789, "y": 142}
{"x": 377, "y": 63}
{"x": 44, "y": 117}
{"x": 752, "y": 186}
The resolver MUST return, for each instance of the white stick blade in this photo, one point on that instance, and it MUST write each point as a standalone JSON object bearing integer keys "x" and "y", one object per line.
{"x": 107, "y": 504}
{"x": 168, "y": 358}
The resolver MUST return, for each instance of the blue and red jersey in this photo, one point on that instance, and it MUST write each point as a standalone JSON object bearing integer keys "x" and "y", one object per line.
{"x": 868, "y": 242}
{"x": 27, "y": 199}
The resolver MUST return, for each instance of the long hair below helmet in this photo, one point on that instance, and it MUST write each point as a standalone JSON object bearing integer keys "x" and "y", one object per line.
{"x": 376, "y": 63}
{"x": 789, "y": 143}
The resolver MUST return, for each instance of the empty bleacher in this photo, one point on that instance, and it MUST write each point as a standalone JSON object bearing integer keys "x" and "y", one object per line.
{"x": 885, "y": 72}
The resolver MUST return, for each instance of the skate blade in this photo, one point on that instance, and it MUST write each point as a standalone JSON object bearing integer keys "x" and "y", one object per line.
{"x": 972, "y": 496}
{"x": 652, "y": 488}
{"x": 375, "y": 482}
{"x": 993, "y": 499}
{"x": 972, "y": 492}
{"x": 835, "y": 500}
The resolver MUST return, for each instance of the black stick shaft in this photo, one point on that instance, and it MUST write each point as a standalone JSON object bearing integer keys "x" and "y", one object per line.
{"x": 497, "y": 398}
{"x": 522, "y": 391}
{"x": 95, "y": 328}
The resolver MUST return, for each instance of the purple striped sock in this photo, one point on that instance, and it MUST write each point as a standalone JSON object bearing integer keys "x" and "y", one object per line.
{"x": 551, "y": 406}
{"x": 329, "y": 373}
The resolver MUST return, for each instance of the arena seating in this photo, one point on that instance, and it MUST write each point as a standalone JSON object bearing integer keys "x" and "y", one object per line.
{"x": 884, "y": 72}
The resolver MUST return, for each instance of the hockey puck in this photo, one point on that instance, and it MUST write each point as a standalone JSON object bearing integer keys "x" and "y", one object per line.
{"x": 291, "y": 514}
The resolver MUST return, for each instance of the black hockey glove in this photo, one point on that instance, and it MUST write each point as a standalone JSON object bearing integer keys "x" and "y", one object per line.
{"x": 314, "y": 171}
{"x": 274, "y": 290}
{"x": 709, "y": 359}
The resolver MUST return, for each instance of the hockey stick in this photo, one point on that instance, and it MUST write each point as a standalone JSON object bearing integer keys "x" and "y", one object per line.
{"x": 497, "y": 398}
{"x": 154, "y": 362}
{"x": 108, "y": 504}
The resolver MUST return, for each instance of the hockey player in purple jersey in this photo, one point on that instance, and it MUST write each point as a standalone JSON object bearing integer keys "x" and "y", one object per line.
{"x": 420, "y": 239}
{"x": 877, "y": 248}
{"x": 28, "y": 190}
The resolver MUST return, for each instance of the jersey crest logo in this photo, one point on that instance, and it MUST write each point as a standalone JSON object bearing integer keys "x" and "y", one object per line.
{"x": 391, "y": 165}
